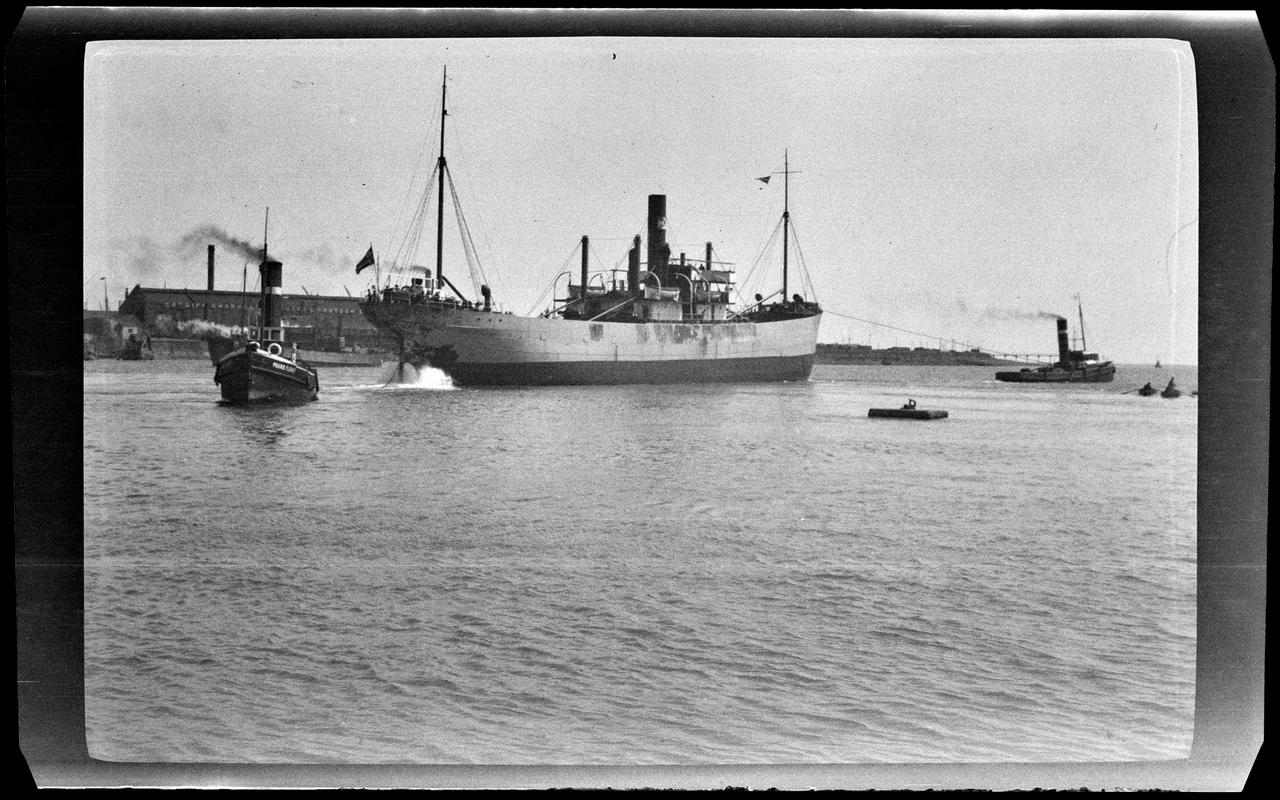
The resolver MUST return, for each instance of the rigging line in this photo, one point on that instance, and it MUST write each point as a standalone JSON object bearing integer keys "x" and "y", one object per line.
{"x": 417, "y": 164}
{"x": 745, "y": 283}
{"x": 804, "y": 268}
{"x": 551, "y": 286}
{"x": 915, "y": 333}
{"x": 468, "y": 245}
{"x": 498, "y": 275}
{"x": 413, "y": 234}
{"x": 595, "y": 254}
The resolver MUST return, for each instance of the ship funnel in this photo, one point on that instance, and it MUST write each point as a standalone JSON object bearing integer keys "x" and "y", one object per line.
{"x": 1064, "y": 343}
{"x": 659, "y": 251}
{"x": 211, "y": 268}
{"x": 271, "y": 272}
{"x": 583, "y": 290}
{"x": 633, "y": 266}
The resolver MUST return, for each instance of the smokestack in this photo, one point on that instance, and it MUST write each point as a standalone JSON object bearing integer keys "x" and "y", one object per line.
{"x": 271, "y": 272}
{"x": 1064, "y": 344}
{"x": 708, "y": 256}
{"x": 659, "y": 252}
{"x": 583, "y": 291}
{"x": 633, "y": 266}
{"x": 206, "y": 302}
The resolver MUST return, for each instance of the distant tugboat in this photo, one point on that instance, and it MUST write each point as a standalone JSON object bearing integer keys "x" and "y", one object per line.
{"x": 1072, "y": 366}
{"x": 259, "y": 371}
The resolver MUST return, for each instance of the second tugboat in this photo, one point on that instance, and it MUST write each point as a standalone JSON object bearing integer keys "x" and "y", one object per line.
{"x": 1072, "y": 366}
{"x": 260, "y": 371}
{"x": 670, "y": 322}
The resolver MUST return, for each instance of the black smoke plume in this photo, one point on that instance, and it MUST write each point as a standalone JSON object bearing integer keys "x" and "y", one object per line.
{"x": 212, "y": 234}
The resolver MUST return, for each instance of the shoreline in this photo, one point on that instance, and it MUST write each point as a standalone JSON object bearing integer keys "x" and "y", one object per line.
{"x": 908, "y": 356}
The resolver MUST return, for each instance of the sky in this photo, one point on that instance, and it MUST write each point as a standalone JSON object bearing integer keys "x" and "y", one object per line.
{"x": 944, "y": 190}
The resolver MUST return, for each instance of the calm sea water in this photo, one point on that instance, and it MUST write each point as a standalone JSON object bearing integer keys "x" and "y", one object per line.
{"x": 639, "y": 575}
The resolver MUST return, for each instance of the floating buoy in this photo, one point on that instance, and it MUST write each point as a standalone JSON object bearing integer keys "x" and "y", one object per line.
{"x": 908, "y": 413}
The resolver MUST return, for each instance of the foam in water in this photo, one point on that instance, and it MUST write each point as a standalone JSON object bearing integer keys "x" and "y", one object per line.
{"x": 409, "y": 377}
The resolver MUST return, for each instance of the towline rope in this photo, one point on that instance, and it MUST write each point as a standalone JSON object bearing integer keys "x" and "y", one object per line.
{"x": 1012, "y": 356}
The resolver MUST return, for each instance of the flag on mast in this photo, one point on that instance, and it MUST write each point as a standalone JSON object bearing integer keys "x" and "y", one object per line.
{"x": 366, "y": 261}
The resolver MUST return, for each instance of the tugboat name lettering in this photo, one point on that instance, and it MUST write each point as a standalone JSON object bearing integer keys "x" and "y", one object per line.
{"x": 285, "y": 367}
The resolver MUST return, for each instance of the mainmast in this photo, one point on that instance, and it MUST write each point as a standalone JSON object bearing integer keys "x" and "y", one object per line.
{"x": 786, "y": 219}
{"x": 440, "y": 167}
{"x": 786, "y": 214}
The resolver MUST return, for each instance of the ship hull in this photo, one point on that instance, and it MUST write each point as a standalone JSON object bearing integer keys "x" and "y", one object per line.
{"x": 1102, "y": 373}
{"x": 254, "y": 376}
{"x": 483, "y": 348}
{"x": 568, "y": 373}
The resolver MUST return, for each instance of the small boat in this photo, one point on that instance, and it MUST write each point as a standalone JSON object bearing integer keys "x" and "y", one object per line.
{"x": 1171, "y": 390}
{"x": 259, "y": 371}
{"x": 136, "y": 350}
{"x": 1157, "y": 363}
{"x": 1148, "y": 390}
{"x": 908, "y": 411}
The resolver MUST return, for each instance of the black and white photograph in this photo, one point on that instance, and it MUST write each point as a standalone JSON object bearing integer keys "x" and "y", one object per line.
{"x": 642, "y": 402}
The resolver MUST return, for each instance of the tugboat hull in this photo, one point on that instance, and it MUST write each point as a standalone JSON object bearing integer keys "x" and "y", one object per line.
{"x": 1103, "y": 373}
{"x": 255, "y": 376}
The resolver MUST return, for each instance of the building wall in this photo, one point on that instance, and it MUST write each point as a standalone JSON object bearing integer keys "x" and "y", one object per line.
{"x": 316, "y": 320}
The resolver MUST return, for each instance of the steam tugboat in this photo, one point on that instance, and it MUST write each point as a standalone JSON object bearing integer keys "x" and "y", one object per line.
{"x": 259, "y": 370}
{"x": 1072, "y": 366}
{"x": 670, "y": 322}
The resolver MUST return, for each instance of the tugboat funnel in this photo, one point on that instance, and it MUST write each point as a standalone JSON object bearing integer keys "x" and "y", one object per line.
{"x": 1064, "y": 344}
{"x": 271, "y": 293}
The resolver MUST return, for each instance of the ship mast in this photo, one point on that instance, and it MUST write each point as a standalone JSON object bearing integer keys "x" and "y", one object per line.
{"x": 440, "y": 167}
{"x": 1080, "y": 309}
{"x": 786, "y": 218}
{"x": 262, "y": 306}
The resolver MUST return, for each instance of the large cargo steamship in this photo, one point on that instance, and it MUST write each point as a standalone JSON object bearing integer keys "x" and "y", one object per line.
{"x": 668, "y": 321}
